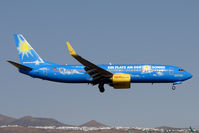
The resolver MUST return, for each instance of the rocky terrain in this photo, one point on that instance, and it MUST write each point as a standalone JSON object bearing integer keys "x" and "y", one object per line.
{"x": 4, "y": 120}
{"x": 93, "y": 123}
{"x": 29, "y": 124}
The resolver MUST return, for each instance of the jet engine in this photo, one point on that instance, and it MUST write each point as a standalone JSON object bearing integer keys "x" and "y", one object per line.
{"x": 121, "y": 81}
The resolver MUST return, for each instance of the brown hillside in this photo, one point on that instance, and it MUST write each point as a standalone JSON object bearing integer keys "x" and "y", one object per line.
{"x": 4, "y": 120}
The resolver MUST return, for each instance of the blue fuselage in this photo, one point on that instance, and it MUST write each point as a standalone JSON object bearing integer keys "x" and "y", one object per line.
{"x": 141, "y": 73}
{"x": 117, "y": 76}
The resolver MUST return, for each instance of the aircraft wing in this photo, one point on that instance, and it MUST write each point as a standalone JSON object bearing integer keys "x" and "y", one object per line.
{"x": 96, "y": 72}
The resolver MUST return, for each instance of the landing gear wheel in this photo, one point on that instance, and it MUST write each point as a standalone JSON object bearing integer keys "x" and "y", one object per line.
{"x": 173, "y": 87}
{"x": 101, "y": 88}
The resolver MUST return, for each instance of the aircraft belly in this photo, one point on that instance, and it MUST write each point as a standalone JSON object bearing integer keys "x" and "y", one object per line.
{"x": 70, "y": 78}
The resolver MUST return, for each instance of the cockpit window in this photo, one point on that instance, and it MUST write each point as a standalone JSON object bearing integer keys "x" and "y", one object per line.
{"x": 181, "y": 70}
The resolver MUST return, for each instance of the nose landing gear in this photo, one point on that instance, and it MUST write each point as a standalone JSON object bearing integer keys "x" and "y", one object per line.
{"x": 173, "y": 87}
{"x": 175, "y": 83}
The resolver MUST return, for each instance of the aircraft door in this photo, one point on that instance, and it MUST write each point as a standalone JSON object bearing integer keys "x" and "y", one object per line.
{"x": 43, "y": 72}
{"x": 171, "y": 71}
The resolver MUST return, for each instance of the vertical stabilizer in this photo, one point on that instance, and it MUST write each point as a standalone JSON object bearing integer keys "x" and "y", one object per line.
{"x": 27, "y": 54}
{"x": 191, "y": 129}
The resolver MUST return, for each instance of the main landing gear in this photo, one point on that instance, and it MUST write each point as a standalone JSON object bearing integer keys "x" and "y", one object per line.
{"x": 101, "y": 87}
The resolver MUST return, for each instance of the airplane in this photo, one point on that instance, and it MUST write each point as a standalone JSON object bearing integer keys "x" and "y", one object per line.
{"x": 117, "y": 76}
{"x": 166, "y": 131}
{"x": 191, "y": 129}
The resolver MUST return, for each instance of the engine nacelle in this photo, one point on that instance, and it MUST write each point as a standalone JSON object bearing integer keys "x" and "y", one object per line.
{"x": 121, "y": 81}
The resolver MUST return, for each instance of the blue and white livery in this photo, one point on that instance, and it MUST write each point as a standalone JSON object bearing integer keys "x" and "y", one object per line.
{"x": 117, "y": 76}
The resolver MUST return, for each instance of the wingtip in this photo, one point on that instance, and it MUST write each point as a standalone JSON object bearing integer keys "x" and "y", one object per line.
{"x": 71, "y": 50}
{"x": 17, "y": 34}
{"x": 9, "y": 61}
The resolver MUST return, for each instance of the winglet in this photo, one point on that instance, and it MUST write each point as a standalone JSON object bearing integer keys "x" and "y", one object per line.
{"x": 71, "y": 50}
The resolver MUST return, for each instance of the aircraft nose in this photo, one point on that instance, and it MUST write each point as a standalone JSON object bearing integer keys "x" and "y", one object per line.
{"x": 189, "y": 75}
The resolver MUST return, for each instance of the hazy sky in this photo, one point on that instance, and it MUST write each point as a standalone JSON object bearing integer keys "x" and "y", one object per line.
{"x": 103, "y": 31}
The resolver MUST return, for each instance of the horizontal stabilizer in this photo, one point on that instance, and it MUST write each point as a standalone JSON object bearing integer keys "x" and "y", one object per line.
{"x": 17, "y": 65}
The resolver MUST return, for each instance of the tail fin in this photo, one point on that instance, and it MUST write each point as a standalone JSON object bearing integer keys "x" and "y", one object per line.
{"x": 191, "y": 129}
{"x": 27, "y": 54}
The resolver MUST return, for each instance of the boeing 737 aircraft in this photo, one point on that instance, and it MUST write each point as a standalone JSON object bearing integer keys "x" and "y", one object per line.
{"x": 117, "y": 76}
